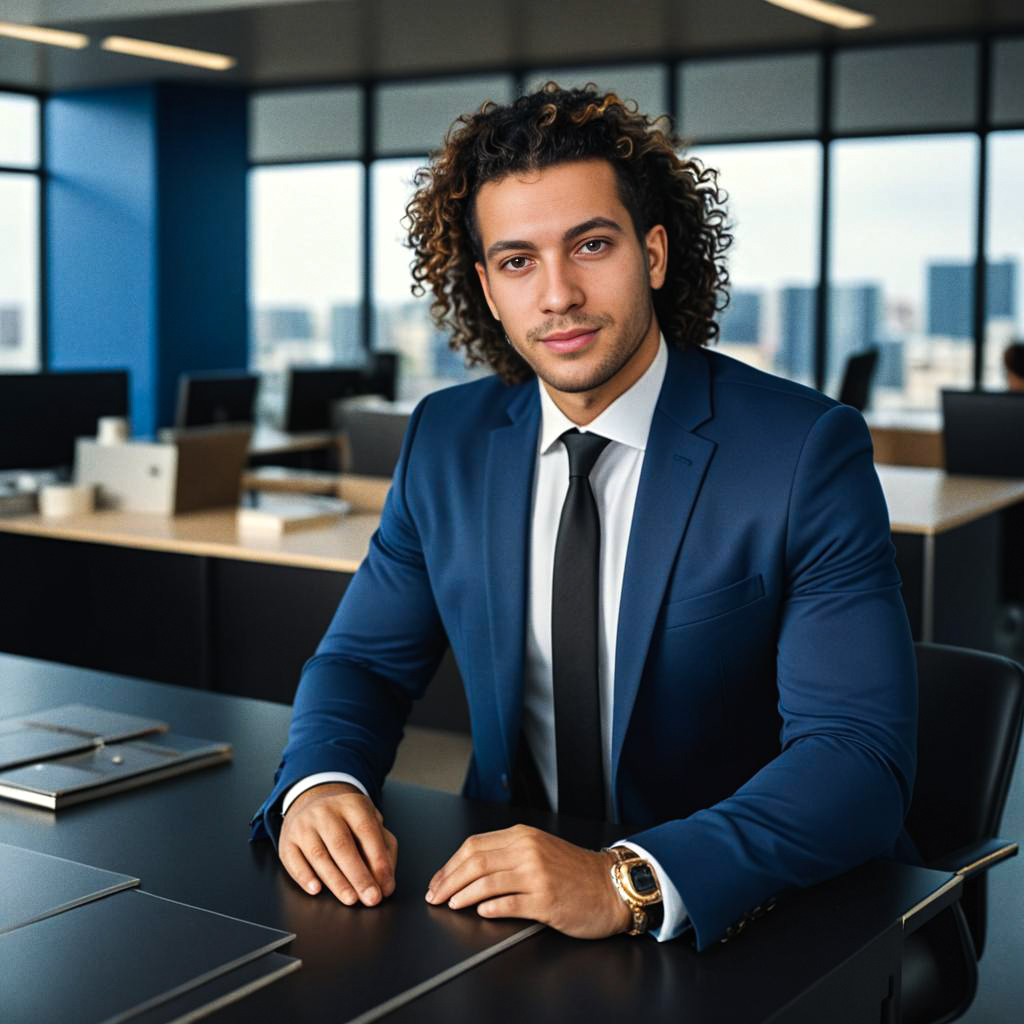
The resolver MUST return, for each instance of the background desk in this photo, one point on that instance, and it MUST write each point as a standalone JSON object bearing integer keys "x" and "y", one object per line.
{"x": 907, "y": 437}
{"x": 186, "y": 600}
{"x": 946, "y": 532}
{"x": 829, "y": 953}
{"x": 189, "y": 601}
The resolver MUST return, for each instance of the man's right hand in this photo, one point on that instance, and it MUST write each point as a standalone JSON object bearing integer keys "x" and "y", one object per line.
{"x": 332, "y": 834}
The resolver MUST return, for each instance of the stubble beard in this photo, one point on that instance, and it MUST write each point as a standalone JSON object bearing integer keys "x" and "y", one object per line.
{"x": 617, "y": 355}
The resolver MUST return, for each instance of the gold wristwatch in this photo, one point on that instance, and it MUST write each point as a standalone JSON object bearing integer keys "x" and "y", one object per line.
{"x": 637, "y": 885}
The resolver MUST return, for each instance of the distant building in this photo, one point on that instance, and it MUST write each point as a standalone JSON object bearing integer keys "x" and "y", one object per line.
{"x": 740, "y": 321}
{"x": 10, "y": 326}
{"x": 346, "y": 334}
{"x": 856, "y": 323}
{"x": 951, "y": 296}
{"x": 795, "y": 355}
{"x": 283, "y": 323}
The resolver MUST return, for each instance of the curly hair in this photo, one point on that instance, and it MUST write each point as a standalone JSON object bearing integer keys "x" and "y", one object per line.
{"x": 538, "y": 130}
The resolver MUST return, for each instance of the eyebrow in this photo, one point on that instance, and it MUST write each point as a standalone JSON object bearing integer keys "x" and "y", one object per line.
{"x": 568, "y": 236}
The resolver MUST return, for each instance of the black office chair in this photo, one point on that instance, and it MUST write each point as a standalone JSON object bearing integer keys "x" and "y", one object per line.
{"x": 857, "y": 376}
{"x": 971, "y": 709}
{"x": 382, "y": 375}
{"x": 981, "y": 433}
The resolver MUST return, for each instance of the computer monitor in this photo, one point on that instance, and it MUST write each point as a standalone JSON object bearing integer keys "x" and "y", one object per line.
{"x": 856, "y": 386}
{"x": 312, "y": 390}
{"x": 982, "y": 432}
{"x": 375, "y": 438}
{"x": 210, "y": 399}
{"x": 382, "y": 375}
{"x": 42, "y": 414}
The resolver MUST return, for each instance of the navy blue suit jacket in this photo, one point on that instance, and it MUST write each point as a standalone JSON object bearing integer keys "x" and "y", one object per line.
{"x": 765, "y": 708}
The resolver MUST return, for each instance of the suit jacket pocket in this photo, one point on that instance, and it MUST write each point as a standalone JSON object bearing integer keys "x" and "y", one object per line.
{"x": 715, "y": 603}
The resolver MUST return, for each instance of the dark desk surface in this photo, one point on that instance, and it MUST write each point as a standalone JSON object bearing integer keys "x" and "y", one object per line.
{"x": 186, "y": 838}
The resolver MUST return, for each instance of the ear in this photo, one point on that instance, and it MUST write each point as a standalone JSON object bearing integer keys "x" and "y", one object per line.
{"x": 656, "y": 251}
{"x": 481, "y": 272}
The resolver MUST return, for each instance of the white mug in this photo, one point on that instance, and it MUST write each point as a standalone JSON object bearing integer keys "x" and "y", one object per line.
{"x": 66, "y": 499}
{"x": 112, "y": 430}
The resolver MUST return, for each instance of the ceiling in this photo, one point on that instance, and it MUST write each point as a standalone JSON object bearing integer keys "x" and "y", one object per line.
{"x": 294, "y": 41}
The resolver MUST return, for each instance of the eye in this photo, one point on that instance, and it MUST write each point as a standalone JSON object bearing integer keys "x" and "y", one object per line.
{"x": 592, "y": 246}
{"x": 516, "y": 263}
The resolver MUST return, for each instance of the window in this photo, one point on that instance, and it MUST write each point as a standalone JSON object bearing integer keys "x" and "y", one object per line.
{"x": 774, "y": 206}
{"x": 413, "y": 117}
{"x": 902, "y": 268}
{"x": 906, "y": 87}
{"x": 306, "y": 124}
{"x": 1005, "y": 252}
{"x": 749, "y": 97}
{"x": 642, "y": 83}
{"x": 401, "y": 322}
{"x": 19, "y": 233}
{"x": 305, "y": 279}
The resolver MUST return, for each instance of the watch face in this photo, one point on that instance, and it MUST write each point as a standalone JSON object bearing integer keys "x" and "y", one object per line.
{"x": 642, "y": 878}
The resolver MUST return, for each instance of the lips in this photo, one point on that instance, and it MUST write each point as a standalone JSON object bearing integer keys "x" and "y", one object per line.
{"x": 569, "y": 341}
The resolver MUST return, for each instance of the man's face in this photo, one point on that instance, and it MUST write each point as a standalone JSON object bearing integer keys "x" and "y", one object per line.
{"x": 568, "y": 278}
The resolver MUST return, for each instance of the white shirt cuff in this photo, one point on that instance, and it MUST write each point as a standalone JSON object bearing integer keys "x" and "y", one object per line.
{"x": 318, "y": 779}
{"x": 674, "y": 918}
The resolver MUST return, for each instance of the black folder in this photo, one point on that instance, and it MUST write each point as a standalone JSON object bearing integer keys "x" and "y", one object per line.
{"x": 34, "y": 886}
{"x": 116, "y": 957}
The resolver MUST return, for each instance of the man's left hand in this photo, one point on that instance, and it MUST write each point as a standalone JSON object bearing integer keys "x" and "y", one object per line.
{"x": 523, "y": 872}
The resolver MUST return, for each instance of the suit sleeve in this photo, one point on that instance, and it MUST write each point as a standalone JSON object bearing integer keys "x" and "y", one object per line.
{"x": 378, "y": 655}
{"x": 838, "y": 791}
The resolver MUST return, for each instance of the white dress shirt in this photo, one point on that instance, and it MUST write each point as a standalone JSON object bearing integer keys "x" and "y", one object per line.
{"x": 614, "y": 481}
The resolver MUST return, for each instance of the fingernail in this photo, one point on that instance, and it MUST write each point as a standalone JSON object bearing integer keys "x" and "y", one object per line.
{"x": 371, "y": 895}
{"x": 312, "y": 887}
{"x": 430, "y": 896}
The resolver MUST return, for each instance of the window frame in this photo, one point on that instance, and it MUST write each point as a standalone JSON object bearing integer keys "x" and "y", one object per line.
{"x": 981, "y": 126}
{"x": 40, "y": 174}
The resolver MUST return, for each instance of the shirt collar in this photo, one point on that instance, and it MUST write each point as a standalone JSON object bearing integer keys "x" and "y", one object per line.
{"x": 627, "y": 420}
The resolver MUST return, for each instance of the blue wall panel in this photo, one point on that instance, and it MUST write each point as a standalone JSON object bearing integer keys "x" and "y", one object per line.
{"x": 146, "y": 236}
{"x": 101, "y": 237}
{"x": 203, "y": 165}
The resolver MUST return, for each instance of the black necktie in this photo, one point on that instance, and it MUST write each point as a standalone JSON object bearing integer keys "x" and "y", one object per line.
{"x": 574, "y": 640}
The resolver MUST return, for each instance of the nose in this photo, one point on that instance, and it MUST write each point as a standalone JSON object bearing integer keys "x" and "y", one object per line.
{"x": 561, "y": 292}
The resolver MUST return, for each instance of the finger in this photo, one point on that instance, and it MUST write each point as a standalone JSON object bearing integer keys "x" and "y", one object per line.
{"x": 500, "y": 883}
{"x": 473, "y": 867}
{"x": 342, "y": 849}
{"x": 327, "y": 870}
{"x": 298, "y": 867}
{"x": 392, "y": 844}
{"x": 516, "y": 905}
{"x": 482, "y": 843}
{"x": 369, "y": 835}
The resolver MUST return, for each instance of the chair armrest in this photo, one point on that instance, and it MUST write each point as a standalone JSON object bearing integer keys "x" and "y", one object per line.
{"x": 972, "y": 860}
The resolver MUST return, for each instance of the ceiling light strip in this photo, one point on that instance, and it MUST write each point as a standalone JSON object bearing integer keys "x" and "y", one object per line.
{"x": 47, "y": 36}
{"x": 174, "y": 54}
{"x": 831, "y": 14}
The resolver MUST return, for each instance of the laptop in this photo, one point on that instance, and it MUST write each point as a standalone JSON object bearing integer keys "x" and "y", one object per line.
{"x": 187, "y": 470}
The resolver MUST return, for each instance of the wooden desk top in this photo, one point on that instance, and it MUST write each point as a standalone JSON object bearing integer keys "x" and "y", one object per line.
{"x": 930, "y": 501}
{"x": 270, "y": 441}
{"x": 923, "y": 420}
{"x": 921, "y": 501}
{"x": 340, "y": 547}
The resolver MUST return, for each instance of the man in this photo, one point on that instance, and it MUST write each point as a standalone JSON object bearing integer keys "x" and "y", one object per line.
{"x": 667, "y": 578}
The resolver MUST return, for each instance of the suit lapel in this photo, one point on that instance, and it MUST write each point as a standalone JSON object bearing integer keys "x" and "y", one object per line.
{"x": 508, "y": 486}
{"x": 675, "y": 463}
